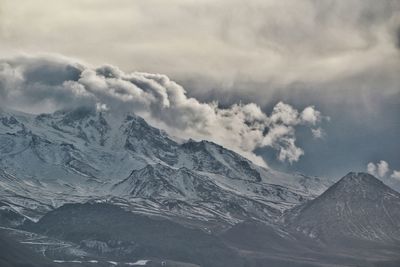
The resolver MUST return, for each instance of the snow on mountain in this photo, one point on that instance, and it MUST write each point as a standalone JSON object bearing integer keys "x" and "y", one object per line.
{"x": 77, "y": 155}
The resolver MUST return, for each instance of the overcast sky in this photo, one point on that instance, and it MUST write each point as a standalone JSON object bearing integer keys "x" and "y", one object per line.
{"x": 339, "y": 58}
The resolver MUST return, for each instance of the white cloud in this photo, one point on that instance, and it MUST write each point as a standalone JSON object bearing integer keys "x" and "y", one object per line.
{"x": 395, "y": 175}
{"x": 383, "y": 168}
{"x": 311, "y": 115}
{"x": 371, "y": 169}
{"x": 318, "y": 133}
{"x": 380, "y": 169}
{"x": 43, "y": 84}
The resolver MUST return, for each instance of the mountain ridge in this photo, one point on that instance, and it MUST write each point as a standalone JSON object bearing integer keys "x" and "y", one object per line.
{"x": 76, "y": 155}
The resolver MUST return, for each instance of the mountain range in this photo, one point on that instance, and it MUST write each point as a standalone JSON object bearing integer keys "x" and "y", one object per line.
{"x": 85, "y": 187}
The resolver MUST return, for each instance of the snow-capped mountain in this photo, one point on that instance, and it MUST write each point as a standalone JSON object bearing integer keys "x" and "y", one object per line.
{"x": 52, "y": 163}
{"x": 79, "y": 155}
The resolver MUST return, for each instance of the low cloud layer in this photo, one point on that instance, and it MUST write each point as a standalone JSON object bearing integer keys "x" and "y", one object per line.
{"x": 45, "y": 84}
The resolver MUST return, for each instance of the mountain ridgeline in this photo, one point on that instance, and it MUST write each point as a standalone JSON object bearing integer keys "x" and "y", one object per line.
{"x": 72, "y": 156}
{"x": 88, "y": 188}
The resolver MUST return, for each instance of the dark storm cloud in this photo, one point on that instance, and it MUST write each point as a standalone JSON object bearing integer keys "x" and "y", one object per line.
{"x": 39, "y": 83}
{"x": 52, "y": 74}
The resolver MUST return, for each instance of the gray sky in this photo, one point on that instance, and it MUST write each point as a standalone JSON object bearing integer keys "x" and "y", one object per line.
{"x": 342, "y": 57}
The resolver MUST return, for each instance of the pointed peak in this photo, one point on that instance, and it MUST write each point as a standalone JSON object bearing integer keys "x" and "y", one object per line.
{"x": 131, "y": 117}
{"x": 360, "y": 177}
{"x": 358, "y": 207}
{"x": 359, "y": 184}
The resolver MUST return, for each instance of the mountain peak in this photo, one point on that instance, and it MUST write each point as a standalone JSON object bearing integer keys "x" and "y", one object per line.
{"x": 358, "y": 207}
{"x": 360, "y": 178}
{"x": 358, "y": 182}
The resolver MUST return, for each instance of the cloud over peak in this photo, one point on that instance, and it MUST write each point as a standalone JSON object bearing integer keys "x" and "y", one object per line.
{"x": 379, "y": 169}
{"x": 45, "y": 84}
{"x": 382, "y": 170}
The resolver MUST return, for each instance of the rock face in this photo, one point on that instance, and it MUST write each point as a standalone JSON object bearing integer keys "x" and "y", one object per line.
{"x": 358, "y": 208}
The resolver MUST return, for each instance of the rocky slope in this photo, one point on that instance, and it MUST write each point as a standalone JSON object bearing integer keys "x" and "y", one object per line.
{"x": 358, "y": 208}
{"x": 119, "y": 235}
{"x": 13, "y": 254}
